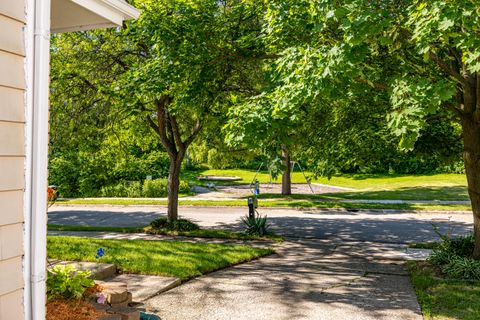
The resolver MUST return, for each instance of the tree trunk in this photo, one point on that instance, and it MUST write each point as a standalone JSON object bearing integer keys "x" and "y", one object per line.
{"x": 174, "y": 186}
{"x": 168, "y": 130}
{"x": 471, "y": 156}
{"x": 286, "y": 177}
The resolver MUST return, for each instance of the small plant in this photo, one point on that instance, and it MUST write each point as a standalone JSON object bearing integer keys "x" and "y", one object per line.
{"x": 177, "y": 225}
{"x": 67, "y": 282}
{"x": 256, "y": 226}
{"x": 453, "y": 257}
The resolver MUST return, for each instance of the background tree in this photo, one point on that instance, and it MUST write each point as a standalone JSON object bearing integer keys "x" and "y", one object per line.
{"x": 423, "y": 54}
{"x": 192, "y": 54}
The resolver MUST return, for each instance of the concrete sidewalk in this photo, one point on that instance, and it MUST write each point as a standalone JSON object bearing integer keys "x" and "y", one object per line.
{"x": 311, "y": 280}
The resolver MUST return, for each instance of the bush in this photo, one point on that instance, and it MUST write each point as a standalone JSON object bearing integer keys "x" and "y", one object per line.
{"x": 454, "y": 257}
{"x": 155, "y": 188}
{"x": 159, "y": 188}
{"x": 123, "y": 189}
{"x": 177, "y": 225}
{"x": 256, "y": 226}
{"x": 184, "y": 187}
{"x": 67, "y": 282}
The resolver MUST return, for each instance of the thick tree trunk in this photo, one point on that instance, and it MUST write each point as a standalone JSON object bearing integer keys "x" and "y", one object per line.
{"x": 286, "y": 177}
{"x": 173, "y": 186}
{"x": 471, "y": 140}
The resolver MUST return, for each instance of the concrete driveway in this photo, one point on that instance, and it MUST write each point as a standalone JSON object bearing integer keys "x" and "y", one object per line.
{"x": 305, "y": 280}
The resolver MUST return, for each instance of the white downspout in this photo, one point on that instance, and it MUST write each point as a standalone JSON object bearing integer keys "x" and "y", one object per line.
{"x": 38, "y": 68}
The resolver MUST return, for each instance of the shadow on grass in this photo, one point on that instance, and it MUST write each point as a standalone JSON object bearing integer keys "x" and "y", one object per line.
{"x": 447, "y": 193}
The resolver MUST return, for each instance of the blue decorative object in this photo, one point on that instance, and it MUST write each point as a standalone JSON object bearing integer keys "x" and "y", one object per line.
{"x": 100, "y": 253}
{"x": 148, "y": 316}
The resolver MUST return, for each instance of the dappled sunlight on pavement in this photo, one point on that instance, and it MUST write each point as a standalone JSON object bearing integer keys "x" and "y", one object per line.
{"x": 303, "y": 281}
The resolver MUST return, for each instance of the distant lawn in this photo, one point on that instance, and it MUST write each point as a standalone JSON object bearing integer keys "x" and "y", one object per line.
{"x": 292, "y": 203}
{"x": 246, "y": 176}
{"x": 442, "y": 299}
{"x": 202, "y": 233}
{"x": 394, "y": 182}
{"x": 354, "y": 181}
{"x": 178, "y": 259}
{"x": 453, "y": 193}
{"x": 366, "y": 186}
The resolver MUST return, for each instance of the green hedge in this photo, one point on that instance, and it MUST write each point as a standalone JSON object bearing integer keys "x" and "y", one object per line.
{"x": 150, "y": 189}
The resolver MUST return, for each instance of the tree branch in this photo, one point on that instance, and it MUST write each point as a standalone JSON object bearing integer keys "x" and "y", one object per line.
{"x": 447, "y": 69}
{"x": 152, "y": 124}
{"x": 162, "y": 123}
{"x": 379, "y": 86}
{"x": 176, "y": 132}
{"x": 196, "y": 130}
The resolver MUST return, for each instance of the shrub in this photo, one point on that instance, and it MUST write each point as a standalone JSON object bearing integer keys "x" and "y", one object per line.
{"x": 134, "y": 190}
{"x": 256, "y": 226}
{"x": 177, "y": 225}
{"x": 184, "y": 187}
{"x": 155, "y": 188}
{"x": 123, "y": 189}
{"x": 67, "y": 282}
{"x": 159, "y": 188}
{"x": 453, "y": 257}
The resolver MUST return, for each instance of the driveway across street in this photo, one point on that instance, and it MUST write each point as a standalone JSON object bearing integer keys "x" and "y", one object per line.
{"x": 334, "y": 265}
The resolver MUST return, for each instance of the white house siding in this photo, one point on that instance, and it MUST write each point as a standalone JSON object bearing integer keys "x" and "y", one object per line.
{"x": 12, "y": 156}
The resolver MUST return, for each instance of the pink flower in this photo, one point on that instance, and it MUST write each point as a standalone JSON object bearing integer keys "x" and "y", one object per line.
{"x": 101, "y": 299}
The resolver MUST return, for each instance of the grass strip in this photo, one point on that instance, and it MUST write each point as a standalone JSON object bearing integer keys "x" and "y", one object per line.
{"x": 442, "y": 299}
{"x": 275, "y": 203}
{"x": 58, "y": 227}
{"x": 424, "y": 245}
{"x": 168, "y": 258}
{"x": 202, "y": 233}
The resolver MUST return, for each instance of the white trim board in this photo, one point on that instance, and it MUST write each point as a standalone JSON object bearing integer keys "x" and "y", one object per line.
{"x": 76, "y": 15}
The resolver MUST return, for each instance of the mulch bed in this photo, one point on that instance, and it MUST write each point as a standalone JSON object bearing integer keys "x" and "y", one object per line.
{"x": 61, "y": 309}
{"x": 74, "y": 309}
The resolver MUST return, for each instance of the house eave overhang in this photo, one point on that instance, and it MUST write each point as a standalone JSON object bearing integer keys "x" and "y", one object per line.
{"x": 80, "y": 15}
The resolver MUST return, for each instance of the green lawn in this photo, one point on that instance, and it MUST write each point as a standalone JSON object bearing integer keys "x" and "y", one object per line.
{"x": 354, "y": 181}
{"x": 442, "y": 299}
{"x": 202, "y": 233}
{"x": 246, "y": 175}
{"x": 366, "y": 186}
{"x": 178, "y": 259}
{"x": 292, "y": 203}
{"x": 452, "y": 193}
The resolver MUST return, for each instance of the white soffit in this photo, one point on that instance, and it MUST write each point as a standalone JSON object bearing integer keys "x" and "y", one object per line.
{"x": 77, "y": 15}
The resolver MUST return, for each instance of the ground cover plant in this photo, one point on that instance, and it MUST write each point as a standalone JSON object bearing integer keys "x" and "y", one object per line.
{"x": 454, "y": 257}
{"x": 170, "y": 258}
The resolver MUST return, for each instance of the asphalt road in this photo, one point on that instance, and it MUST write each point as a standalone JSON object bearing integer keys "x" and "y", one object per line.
{"x": 363, "y": 225}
